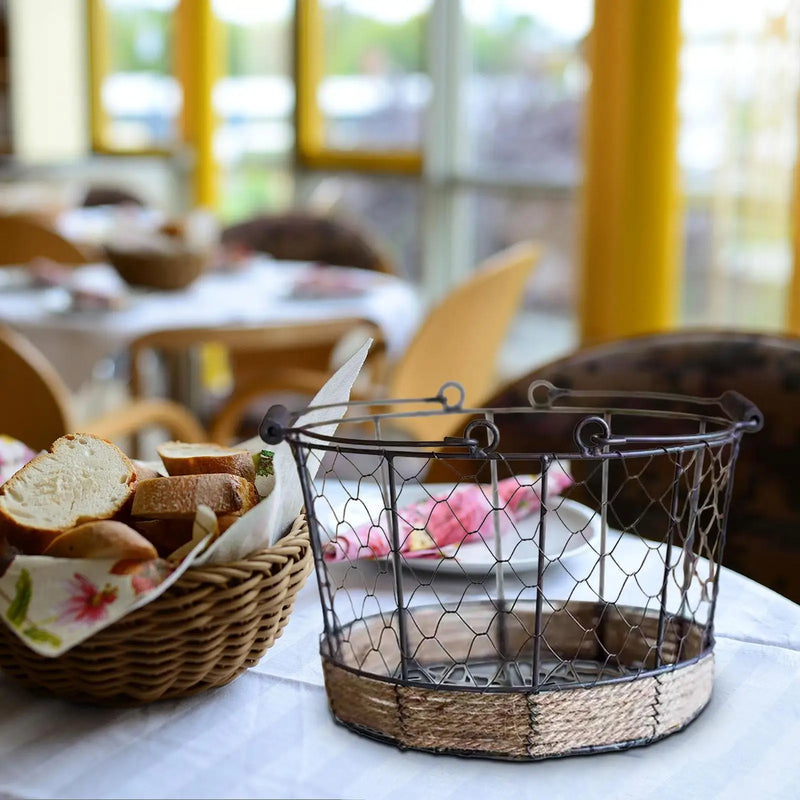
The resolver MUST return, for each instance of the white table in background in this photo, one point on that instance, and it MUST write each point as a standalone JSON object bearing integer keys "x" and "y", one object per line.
{"x": 258, "y": 294}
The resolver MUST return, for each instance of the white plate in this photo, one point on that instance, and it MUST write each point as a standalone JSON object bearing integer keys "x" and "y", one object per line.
{"x": 571, "y": 529}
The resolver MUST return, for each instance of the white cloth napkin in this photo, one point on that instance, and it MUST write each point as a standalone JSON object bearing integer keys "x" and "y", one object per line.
{"x": 52, "y": 604}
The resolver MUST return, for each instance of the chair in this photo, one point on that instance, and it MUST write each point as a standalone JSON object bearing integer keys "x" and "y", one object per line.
{"x": 35, "y": 406}
{"x": 307, "y": 236}
{"x": 764, "y": 517}
{"x": 296, "y": 358}
{"x": 23, "y": 238}
{"x": 459, "y": 340}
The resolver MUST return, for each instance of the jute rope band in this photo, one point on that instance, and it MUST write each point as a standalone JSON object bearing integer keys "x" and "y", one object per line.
{"x": 523, "y": 723}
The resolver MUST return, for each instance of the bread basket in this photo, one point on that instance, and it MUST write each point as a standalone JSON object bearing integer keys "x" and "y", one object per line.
{"x": 167, "y": 269}
{"x": 205, "y": 630}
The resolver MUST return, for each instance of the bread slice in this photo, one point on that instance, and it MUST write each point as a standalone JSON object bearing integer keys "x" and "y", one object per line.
{"x": 101, "y": 539}
{"x": 166, "y": 535}
{"x": 81, "y": 478}
{"x": 177, "y": 497}
{"x": 182, "y": 458}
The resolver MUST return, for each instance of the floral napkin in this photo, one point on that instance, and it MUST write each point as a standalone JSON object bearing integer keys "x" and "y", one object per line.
{"x": 52, "y": 604}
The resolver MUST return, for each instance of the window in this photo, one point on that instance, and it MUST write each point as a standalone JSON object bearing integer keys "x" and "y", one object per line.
{"x": 137, "y": 99}
{"x": 254, "y": 102}
{"x": 738, "y": 146}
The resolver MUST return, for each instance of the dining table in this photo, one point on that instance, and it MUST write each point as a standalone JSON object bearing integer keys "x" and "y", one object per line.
{"x": 269, "y": 733}
{"x": 257, "y": 291}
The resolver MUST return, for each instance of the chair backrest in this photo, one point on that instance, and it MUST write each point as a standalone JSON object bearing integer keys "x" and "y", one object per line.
{"x": 34, "y": 403}
{"x": 763, "y": 529}
{"x": 270, "y": 360}
{"x": 461, "y": 337}
{"x": 306, "y": 236}
{"x": 23, "y": 238}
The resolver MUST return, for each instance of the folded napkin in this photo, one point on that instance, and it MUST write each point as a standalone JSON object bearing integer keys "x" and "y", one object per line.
{"x": 426, "y": 528}
{"x": 52, "y": 604}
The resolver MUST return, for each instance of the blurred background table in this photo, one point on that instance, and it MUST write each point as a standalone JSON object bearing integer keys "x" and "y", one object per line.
{"x": 269, "y": 733}
{"x": 261, "y": 292}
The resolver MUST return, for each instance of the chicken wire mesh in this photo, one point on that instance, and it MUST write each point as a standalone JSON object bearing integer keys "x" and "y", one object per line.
{"x": 484, "y": 597}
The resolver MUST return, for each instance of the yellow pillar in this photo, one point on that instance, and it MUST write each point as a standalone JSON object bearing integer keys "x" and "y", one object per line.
{"x": 99, "y": 66}
{"x": 308, "y": 49}
{"x": 793, "y": 302}
{"x": 199, "y": 64}
{"x": 630, "y": 270}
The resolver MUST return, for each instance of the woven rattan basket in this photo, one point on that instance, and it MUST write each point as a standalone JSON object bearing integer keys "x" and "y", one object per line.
{"x": 205, "y": 630}
{"x": 168, "y": 270}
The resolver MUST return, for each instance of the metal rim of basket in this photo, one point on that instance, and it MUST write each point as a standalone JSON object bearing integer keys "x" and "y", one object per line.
{"x": 593, "y": 436}
{"x": 394, "y": 708}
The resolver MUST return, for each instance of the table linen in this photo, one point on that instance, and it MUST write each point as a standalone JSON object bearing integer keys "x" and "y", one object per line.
{"x": 269, "y": 734}
{"x": 259, "y": 293}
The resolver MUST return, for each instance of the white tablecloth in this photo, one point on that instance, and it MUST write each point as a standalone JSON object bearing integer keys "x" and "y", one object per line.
{"x": 259, "y": 294}
{"x": 269, "y": 733}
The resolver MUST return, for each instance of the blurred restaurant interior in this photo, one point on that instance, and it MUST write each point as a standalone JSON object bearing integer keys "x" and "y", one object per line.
{"x": 647, "y": 149}
{"x": 567, "y": 230}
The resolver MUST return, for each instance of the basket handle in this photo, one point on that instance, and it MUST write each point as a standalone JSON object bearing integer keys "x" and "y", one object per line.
{"x": 274, "y": 424}
{"x": 742, "y": 411}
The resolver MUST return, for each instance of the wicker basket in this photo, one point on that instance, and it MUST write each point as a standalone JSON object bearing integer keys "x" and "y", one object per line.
{"x": 158, "y": 270}
{"x": 205, "y": 630}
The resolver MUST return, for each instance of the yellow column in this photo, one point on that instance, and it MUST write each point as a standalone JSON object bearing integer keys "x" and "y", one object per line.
{"x": 99, "y": 66}
{"x": 793, "y": 302}
{"x": 630, "y": 270}
{"x": 199, "y": 50}
{"x": 308, "y": 49}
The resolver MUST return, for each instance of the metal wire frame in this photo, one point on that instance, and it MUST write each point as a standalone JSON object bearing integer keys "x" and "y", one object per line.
{"x": 538, "y": 645}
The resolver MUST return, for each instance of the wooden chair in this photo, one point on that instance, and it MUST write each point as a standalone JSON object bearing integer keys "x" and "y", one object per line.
{"x": 307, "y": 236}
{"x": 459, "y": 340}
{"x": 460, "y": 337}
{"x": 293, "y": 358}
{"x": 764, "y": 519}
{"x": 36, "y": 406}
{"x": 24, "y": 238}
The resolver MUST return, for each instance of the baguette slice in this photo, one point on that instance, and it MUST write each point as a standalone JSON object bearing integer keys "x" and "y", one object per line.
{"x": 81, "y": 478}
{"x": 177, "y": 497}
{"x": 167, "y": 535}
{"x": 102, "y": 539}
{"x": 182, "y": 458}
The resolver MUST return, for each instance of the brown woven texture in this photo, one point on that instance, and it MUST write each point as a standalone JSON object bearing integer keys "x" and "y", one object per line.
{"x": 522, "y": 724}
{"x": 156, "y": 270}
{"x": 205, "y": 630}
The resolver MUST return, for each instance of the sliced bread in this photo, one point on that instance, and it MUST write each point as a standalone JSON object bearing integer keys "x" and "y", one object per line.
{"x": 182, "y": 458}
{"x": 102, "y": 539}
{"x": 177, "y": 497}
{"x": 81, "y": 478}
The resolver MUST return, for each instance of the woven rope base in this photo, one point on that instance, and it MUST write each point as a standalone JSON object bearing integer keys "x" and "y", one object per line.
{"x": 205, "y": 630}
{"x": 517, "y": 723}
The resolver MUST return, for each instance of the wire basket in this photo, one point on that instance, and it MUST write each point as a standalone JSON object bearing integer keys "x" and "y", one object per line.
{"x": 505, "y": 611}
{"x": 205, "y": 630}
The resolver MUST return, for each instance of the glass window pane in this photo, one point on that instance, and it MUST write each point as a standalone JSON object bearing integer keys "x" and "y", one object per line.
{"x": 389, "y": 210}
{"x": 374, "y": 88}
{"x": 548, "y": 317}
{"x": 525, "y": 88}
{"x": 737, "y": 147}
{"x": 254, "y": 102}
{"x": 139, "y": 93}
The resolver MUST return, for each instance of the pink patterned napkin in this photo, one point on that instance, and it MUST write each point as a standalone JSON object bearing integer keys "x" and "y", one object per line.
{"x": 465, "y": 515}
